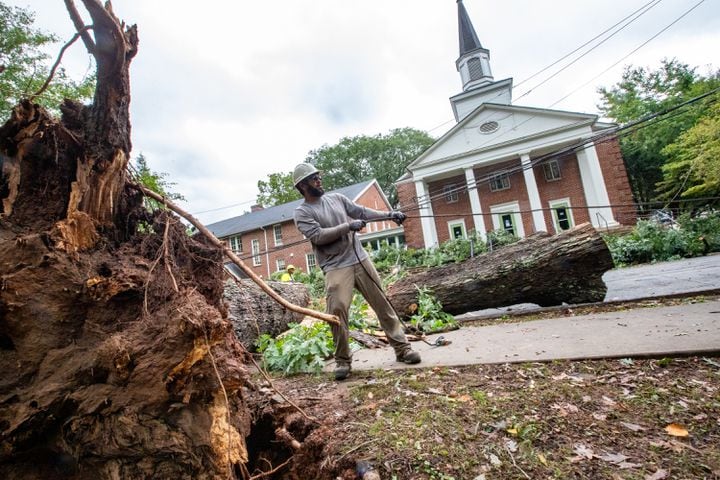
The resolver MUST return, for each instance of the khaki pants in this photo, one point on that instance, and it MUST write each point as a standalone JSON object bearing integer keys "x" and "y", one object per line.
{"x": 339, "y": 286}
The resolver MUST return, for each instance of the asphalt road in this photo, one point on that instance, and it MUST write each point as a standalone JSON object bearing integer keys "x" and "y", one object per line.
{"x": 663, "y": 279}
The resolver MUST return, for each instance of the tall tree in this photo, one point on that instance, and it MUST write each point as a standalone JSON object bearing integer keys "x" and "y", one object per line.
{"x": 383, "y": 157}
{"x": 353, "y": 160}
{"x": 24, "y": 67}
{"x": 155, "y": 181}
{"x": 693, "y": 167}
{"x": 642, "y": 92}
{"x": 276, "y": 190}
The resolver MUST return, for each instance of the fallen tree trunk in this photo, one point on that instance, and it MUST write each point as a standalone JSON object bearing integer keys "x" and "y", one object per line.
{"x": 254, "y": 313}
{"x": 542, "y": 269}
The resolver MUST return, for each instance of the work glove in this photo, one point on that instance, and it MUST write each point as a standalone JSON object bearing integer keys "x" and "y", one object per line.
{"x": 356, "y": 225}
{"x": 398, "y": 217}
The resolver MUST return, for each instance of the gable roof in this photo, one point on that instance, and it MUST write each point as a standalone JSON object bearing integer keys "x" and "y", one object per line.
{"x": 514, "y": 129}
{"x": 277, "y": 214}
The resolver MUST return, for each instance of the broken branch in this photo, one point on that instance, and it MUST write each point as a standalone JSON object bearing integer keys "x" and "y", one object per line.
{"x": 235, "y": 259}
{"x": 57, "y": 62}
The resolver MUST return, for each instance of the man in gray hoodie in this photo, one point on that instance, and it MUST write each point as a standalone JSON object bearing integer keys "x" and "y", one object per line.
{"x": 330, "y": 222}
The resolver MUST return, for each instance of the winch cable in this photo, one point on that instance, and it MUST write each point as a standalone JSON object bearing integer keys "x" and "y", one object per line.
{"x": 440, "y": 341}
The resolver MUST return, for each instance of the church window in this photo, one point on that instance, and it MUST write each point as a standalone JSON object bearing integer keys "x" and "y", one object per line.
{"x": 489, "y": 127}
{"x": 500, "y": 181}
{"x": 451, "y": 193}
{"x": 552, "y": 170}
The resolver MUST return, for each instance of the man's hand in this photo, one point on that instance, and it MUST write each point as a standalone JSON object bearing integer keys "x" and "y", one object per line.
{"x": 356, "y": 225}
{"x": 398, "y": 217}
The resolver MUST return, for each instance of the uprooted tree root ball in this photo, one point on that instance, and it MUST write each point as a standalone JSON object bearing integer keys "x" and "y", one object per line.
{"x": 118, "y": 357}
{"x": 124, "y": 362}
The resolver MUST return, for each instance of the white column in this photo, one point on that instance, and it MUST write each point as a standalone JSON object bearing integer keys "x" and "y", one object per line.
{"x": 533, "y": 194}
{"x": 594, "y": 186}
{"x": 426, "y": 216}
{"x": 475, "y": 207}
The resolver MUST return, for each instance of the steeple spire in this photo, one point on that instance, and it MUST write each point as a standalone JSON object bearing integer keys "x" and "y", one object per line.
{"x": 468, "y": 38}
{"x": 474, "y": 61}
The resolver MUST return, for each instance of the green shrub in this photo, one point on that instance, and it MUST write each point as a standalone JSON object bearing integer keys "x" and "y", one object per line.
{"x": 705, "y": 227}
{"x": 301, "y": 350}
{"x": 651, "y": 241}
{"x": 429, "y": 316}
{"x": 500, "y": 238}
{"x": 315, "y": 281}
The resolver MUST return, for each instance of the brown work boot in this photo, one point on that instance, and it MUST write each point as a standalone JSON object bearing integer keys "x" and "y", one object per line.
{"x": 342, "y": 371}
{"x": 408, "y": 356}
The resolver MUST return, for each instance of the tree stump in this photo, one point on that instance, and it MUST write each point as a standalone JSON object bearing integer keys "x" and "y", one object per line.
{"x": 542, "y": 269}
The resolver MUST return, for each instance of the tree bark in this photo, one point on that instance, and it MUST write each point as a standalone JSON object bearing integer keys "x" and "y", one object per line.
{"x": 253, "y": 313}
{"x": 541, "y": 269}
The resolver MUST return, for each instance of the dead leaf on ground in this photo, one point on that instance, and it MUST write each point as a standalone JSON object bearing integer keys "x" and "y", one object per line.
{"x": 613, "y": 457}
{"x": 582, "y": 452}
{"x": 564, "y": 409}
{"x": 632, "y": 426}
{"x": 677, "y": 430}
{"x": 658, "y": 475}
{"x": 542, "y": 459}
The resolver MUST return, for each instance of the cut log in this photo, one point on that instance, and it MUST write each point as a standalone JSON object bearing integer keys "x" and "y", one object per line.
{"x": 542, "y": 269}
{"x": 253, "y": 313}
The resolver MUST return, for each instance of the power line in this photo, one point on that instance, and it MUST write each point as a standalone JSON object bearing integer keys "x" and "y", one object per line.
{"x": 633, "y": 51}
{"x": 646, "y": 8}
{"x": 643, "y": 9}
{"x": 603, "y": 136}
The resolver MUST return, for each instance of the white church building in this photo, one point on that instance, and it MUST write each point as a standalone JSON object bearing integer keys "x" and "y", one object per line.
{"x": 516, "y": 168}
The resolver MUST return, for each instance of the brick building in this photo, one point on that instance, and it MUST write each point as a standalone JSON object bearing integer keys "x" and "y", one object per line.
{"x": 515, "y": 168}
{"x": 267, "y": 240}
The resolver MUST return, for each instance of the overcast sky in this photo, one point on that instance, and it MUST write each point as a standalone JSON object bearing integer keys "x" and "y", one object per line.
{"x": 226, "y": 92}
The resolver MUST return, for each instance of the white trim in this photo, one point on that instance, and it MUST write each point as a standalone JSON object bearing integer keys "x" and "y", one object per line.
{"x": 475, "y": 206}
{"x": 255, "y": 251}
{"x": 510, "y": 207}
{"x": 565, "y": 202}
{"x": 426, "y": 216}
{"x": 307, "y": 261}
{"x": 533, "y": 193}
{"x": 594, "y": 186}
{"x": 277, "y": 228}
{"x": 380, "y": 190}
{"x": 549, "y": 137}
{"x": 237, "y": 240}
{"x": 454, "y": 223}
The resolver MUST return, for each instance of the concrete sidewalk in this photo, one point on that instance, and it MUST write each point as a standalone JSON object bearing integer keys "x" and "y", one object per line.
{"x": 661, "y": 331}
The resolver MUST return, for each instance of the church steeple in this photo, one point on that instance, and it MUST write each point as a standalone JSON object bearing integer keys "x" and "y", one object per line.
{"x": 474, "y": 61}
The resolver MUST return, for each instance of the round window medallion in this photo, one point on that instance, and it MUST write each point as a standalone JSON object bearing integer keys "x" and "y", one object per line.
{"x": 489, "y": 127}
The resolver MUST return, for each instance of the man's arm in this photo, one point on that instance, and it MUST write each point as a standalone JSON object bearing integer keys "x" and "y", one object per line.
{"x": 363, "y": 213}
{"x": 368, "y": 214}
{"x": 312, "y": 230}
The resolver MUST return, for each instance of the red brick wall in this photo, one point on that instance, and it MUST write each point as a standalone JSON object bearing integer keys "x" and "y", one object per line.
{"x": 517, "y": 192}
{"x": 445, "y": 211}
{"x": 373, "y": 198}
{"x": 616, "y": 179}
{"x": 569, "y": 186}
{"x": 407, "y": 199}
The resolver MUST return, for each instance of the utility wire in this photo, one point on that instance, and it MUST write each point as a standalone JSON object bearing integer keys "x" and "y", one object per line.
{"x": 622, "y": 207}
{"x": 603, "y": 136}
{"x": 633, "y": 51}
{"x": 646, "y": 8}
